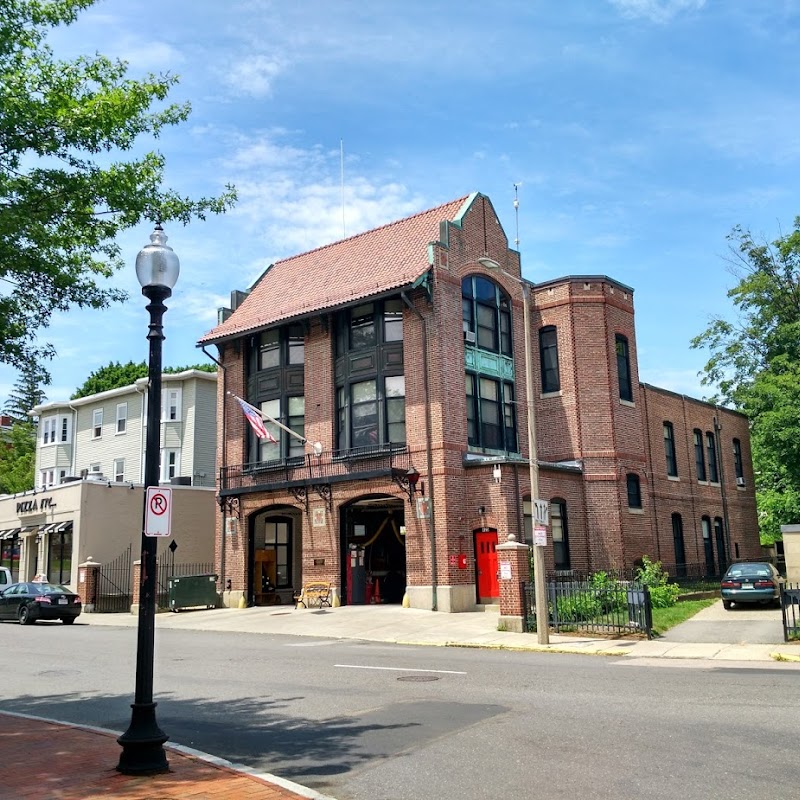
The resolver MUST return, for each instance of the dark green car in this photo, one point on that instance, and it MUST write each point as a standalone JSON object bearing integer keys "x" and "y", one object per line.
{"x": 751, "y": 582}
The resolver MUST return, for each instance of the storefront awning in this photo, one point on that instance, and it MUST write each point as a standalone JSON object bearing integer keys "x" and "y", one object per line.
{"x": 47, "y": 528}
{"x": 11, "y": 533}
{"x": 28, "y": 529}
{"x": 62, "y": 527}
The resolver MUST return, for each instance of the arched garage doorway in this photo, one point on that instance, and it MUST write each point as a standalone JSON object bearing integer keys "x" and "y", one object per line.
{"x": 373, "y": 550}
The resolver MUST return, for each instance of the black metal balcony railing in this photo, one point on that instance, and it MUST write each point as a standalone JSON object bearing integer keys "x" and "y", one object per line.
{"x": 333, "y": 466}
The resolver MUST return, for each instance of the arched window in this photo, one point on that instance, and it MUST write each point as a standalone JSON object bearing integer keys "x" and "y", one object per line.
{"x": 491, "y": 410}
{"x": 560, "y": 533}
{"x": 711, "y": 450}
{"x": 548, "y": 356}
{"x": 699, "y": 457}
{"x": 623, "y": 368}
{"x": 486, "y": 313}
{"x": 680, "y": 549}
{"x": 669, "y": 450}
{"x": 634, "y": 490}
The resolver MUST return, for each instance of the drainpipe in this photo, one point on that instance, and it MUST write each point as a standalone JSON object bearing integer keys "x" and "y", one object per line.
{"x": 717, "y": 431}
{"x": 73, "y": 467}
{"x": 223, "y": 541}
{"x": 429, "y": 454}
{"x": 141, "y": 433}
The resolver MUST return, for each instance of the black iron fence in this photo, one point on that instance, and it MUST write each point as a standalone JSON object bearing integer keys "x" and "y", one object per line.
{"x": 607, "y": 606}
{"x": 113, "y": 590}
{"x": 329, "y": 467}
{"x": 790, "y": 611}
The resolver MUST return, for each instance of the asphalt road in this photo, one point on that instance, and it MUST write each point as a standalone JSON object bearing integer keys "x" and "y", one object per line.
{"x": 743, "y": 624}
{"x": 364, "y": 721}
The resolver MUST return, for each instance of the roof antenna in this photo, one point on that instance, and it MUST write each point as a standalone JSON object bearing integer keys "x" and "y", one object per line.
{"x": 341, "y": 165}
{"x": 516, "y": 214}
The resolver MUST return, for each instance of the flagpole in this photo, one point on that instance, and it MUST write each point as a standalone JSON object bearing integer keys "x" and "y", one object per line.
{"x": 268, "y": 418}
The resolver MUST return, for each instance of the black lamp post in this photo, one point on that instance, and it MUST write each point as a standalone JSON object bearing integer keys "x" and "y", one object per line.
{"x": 157, "y": 269}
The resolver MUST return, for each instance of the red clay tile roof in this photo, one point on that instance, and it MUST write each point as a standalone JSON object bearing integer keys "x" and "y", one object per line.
{"x": 368, "y": 264}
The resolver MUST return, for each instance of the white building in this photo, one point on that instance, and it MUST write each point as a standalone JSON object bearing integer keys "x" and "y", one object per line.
{"x": 89, "y": 496}
{"x": 103, "y": 435}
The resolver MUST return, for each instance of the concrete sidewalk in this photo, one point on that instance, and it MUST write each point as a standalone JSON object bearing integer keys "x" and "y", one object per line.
{"x": 389, "y": 623}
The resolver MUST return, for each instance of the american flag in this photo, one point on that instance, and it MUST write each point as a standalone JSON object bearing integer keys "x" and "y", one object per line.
{"x": 256, "y": 422}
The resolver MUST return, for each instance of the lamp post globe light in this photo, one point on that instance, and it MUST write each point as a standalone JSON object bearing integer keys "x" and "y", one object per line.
{"x": 539, "y": 575}
{"x": 157, "y": 269}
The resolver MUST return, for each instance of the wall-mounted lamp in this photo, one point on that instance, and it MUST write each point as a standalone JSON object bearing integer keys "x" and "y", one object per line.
{"x": 407, "y": 481}
{"x": 481, "y": 510}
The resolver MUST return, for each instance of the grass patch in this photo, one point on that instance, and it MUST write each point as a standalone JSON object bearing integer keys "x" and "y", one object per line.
{"x": 666, "y": 618}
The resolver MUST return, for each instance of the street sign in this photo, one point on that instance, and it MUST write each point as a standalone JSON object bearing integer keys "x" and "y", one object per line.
{"x": 158, "y": 511}
{"x": 541, "y": 510}
{"x": 540, "y": 536}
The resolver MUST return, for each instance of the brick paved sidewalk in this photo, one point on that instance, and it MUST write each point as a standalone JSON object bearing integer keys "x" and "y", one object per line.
{"x": 48, "y": 761}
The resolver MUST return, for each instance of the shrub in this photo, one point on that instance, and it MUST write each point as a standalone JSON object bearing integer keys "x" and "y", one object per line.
{"x": 663, "y": 594}
{"x": 580, "y": 607}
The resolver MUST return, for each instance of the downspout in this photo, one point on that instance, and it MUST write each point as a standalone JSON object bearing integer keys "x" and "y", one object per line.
{"x": 223, "y": 541}
{"x": 651, "y": 468}
{"x": 73, "y": 467}
{"x": 429, "y": 454}
{"x": 717, "y": 431}
{"x": 141, "y": 433}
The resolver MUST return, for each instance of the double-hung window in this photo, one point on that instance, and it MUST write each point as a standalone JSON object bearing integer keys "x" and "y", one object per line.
{"x": 97, "y": 423}
{"x": 370, "y": 385}
{"x": 669, "y": 450}
{"x": 711, "y": 450}
{"x": 623, "y": 368}
{"x": 122, "y": 417}
{"x": 738, "y": 464}
{"x": 491, "y": 415}
{"x": 548, "y": 356}
{"x": 699, "y": 456}
{"x": 171, "y": 405}
{"x": 634, "y": 490}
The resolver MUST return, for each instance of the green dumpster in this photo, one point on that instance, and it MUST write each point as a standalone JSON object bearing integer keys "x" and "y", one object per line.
{"x": 190, "y": 591}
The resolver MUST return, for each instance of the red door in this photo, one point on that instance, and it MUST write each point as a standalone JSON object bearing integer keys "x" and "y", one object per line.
{"x": 486, "y": 565}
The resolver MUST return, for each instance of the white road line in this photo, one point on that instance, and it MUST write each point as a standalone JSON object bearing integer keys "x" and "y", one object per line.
{"x": 401, "y": 669}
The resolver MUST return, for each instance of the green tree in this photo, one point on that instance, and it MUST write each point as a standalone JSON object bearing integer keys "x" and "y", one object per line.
{"x": 27, "y": 393}
{"x": 116, "y": 375}
{"x": 755, "y": 367}
{"x": 18, "y": 458}
{"x": 64, "y": 196}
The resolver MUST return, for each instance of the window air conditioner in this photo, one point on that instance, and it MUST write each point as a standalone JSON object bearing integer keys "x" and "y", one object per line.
{"x": 469, "y": 337}
{"x": 740, "y": 481}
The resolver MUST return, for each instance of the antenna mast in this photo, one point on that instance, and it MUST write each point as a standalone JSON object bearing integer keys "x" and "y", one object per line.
{"x": 516, "y": 214}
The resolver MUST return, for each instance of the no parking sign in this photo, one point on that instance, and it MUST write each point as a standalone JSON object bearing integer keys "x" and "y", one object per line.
{"x": 158, "y": 511}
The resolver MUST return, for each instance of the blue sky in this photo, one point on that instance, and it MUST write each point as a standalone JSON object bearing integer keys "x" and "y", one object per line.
{"x": 639, "y": 133}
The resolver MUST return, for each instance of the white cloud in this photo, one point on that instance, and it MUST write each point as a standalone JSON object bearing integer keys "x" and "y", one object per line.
{"x": 254, "y": 75}
{"x": 656, "y": 10}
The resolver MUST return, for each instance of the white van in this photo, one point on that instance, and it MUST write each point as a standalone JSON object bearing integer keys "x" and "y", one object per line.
{"x": 5, "y": 577}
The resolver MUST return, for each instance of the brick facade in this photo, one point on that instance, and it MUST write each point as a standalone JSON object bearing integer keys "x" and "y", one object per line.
{"x": 589, "y": 440}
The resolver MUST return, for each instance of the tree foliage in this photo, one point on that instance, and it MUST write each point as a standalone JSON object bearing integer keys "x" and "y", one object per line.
{"x": 27, "y": 393}
{"x": 116, "y": 375}
{"x": 755, "y": 366}
{"x": 64, "y": 197}
{"x": 18, "y": 458}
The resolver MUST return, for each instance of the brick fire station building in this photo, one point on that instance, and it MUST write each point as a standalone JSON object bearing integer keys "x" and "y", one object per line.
{"x": 403, "y": 355}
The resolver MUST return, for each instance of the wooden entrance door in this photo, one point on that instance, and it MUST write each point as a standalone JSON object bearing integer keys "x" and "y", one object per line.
{"x": 486, "y": 564}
